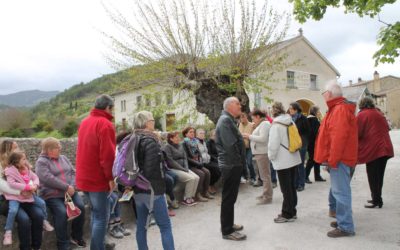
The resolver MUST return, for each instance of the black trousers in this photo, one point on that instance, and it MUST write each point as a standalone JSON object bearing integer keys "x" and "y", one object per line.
{"x": 376, "y": 172}
{"x": 230, "y": 190}
{"x": 214, "y": 172}
{"x": 287, "y": 182}
{"x": 310, "y": 164}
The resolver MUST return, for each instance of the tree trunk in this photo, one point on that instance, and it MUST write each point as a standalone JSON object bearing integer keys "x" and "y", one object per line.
{"x": 210, "y": 99}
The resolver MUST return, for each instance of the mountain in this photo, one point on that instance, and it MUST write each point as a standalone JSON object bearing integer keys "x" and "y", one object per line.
{"x": 27, "y": 98}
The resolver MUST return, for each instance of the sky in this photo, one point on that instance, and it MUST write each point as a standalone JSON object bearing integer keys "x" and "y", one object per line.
{"x": 52, "y": 45}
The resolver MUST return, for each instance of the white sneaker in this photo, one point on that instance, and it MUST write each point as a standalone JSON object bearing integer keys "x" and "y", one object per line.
{"x": 243, "y": 180}
{"x": 47, "y": 226}
{"x": 7, "y": 238}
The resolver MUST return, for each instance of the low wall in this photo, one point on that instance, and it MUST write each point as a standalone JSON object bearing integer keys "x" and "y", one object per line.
{"x": 32, "y": 148}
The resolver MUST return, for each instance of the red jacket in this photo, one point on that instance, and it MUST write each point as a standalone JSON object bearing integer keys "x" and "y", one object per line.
{"x": 96, "y": 152}
{"x": 373, "y": 136}
{"x": 337, "y": 139}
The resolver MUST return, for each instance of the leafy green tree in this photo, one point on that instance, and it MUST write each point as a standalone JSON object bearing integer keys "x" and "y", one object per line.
{"x": 210, "y": 48}
{"x": 70, "y": 129}
{"x": 388, "y": 37}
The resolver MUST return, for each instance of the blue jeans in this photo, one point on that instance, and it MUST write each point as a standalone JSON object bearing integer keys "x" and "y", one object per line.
{"x": 160, "y": 212}
{"x": 340, "y": 197}
{"x": 100, "y": 209}
{"x": 30, "y": 226}
{"x": 13, "y": 207}
{"x": 115, "y": 209}
{"x": 249, "y": 163}
{"x": 301, "y": 173}
{"x": 57, "y": 208}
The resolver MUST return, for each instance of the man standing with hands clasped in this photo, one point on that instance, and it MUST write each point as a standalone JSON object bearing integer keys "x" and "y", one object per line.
{"x": 94, "y": 160}
{"x": 231, "y": 160}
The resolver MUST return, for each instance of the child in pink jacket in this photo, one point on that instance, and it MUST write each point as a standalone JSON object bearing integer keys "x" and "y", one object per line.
{"x": 20, "y": 177}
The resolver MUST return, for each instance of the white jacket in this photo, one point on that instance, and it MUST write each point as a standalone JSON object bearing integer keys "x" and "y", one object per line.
{"x": 281, "y": 158}
{"x": 259, "y": 138}
{"x": 204, "y": 151}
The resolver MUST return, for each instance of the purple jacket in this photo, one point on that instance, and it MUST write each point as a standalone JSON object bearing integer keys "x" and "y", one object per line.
{"x": 55, "y": 176}
{"x": 15, "y": 181}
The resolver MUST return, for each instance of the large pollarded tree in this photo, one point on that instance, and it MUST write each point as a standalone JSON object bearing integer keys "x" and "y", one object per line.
{"x": 215, "y": 49}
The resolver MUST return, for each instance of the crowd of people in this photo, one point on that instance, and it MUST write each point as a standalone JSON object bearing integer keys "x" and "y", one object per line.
{"x": 237, "y": 151}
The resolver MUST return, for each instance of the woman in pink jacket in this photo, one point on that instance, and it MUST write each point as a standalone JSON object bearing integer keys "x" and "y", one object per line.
{"x": 374, "y": 147}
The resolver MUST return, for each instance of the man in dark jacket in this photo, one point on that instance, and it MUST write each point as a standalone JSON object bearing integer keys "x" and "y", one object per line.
{"x": 304, "y": 130}
{"x": 94, "y": 160}
{"x": 231, "y": 160}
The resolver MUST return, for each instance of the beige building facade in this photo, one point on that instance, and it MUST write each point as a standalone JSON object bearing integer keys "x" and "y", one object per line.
{"x": 386, "y": 93}
{"x": 302, "y": 81}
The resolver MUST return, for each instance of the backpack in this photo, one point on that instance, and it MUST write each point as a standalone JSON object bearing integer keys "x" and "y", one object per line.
{"x": 294, "y": 138}
{"x": 126, "y": 170}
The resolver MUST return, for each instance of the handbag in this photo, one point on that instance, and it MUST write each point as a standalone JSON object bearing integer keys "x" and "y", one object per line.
{"x": 72, "y": 210}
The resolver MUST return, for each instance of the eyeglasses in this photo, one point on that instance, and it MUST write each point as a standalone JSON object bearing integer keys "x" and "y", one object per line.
{"x": 324, "y": 92}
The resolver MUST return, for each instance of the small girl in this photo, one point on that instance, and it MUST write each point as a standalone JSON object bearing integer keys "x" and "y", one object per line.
{"x": 20, "y": 177}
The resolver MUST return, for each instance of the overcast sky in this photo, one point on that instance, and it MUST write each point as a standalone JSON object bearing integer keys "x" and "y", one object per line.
{"x": 52, "y": 45}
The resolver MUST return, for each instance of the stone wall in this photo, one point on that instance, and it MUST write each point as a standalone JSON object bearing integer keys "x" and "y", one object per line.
{"x": 32, "y": 148}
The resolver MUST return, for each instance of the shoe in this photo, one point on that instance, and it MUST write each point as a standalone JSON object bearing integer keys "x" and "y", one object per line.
{"x": 334, "y": 224}
{"x": 47, "y": 227}
{"x": 208, "y": 196}
{"x": 200, "y": 198}
{"x": 274, "y": 184}
{"x": 320, "y": 179}
{"x": 123, "y": 230}
{"x": 115, "y": 232}
{"x": 234, "y": 236}
{"x": 188, "y": 202}
{"x": 110, "y": 246}
{"x": 336, "y": 233}
{"x": 237, "y": 227}
{"x": 7, "y": 238}
{"x": 308, "y": 181}
{"x": 299, "y": 189}
{"x": 332, "y": 214}
{"x": 264, "y": 202}
{"x": 243, "y": 180}
{"x": 260, "y": 197}
{"x": 281, "y": 219}
{"x": 175, "y": 204}
{"x": 171, "y": 213}
{"x": 253, "y": 182}
{"x": 370, "y": 201}
{"x": 78, "y": 243}
{"x": 373, "y": 205}
{"x": 258, "y": 184}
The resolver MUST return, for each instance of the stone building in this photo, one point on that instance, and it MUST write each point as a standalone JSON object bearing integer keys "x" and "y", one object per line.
{"x": 385, "y": 91}
{"x": 301, "y": 81}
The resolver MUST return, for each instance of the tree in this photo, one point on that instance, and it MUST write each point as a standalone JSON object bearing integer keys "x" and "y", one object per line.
{"x": 388, "y": 37}
{"x": 215, "y": 51}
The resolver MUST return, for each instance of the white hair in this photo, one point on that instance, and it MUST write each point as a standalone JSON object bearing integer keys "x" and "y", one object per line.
{"x": 141, "y": 118}
{"x": 334, "y": 87}
{"x": 228, "y": 101}
{"x": 199, "y": 130}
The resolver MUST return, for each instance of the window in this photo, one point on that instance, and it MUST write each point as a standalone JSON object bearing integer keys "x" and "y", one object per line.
{"x": 123, "y": 105}
{"x": 158, "y": 100}
{"x": 139, "y": 101}
{"x": 257, "y": 99}
{"x": 290, "y": 79}
{"x": 148, "y": 101}
{"x": 169, "y": 98}
{"x": 313, "y": 82}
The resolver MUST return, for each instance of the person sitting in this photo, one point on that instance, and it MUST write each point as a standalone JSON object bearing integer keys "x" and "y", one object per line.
{"x": 196, "y": 164}
{"x": 177, "y": 161}
{"x": 212, "y": 166}
{"x": 57, "y": 177}
{"x": 20, "y": 176}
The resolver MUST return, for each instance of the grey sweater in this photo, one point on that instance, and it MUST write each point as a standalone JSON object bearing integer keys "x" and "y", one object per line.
{"x": 176, "y": 157}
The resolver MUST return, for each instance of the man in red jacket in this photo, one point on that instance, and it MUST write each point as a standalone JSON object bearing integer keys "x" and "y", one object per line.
{"x": 337, "y": 145}
{"x": 94, "y": 160}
